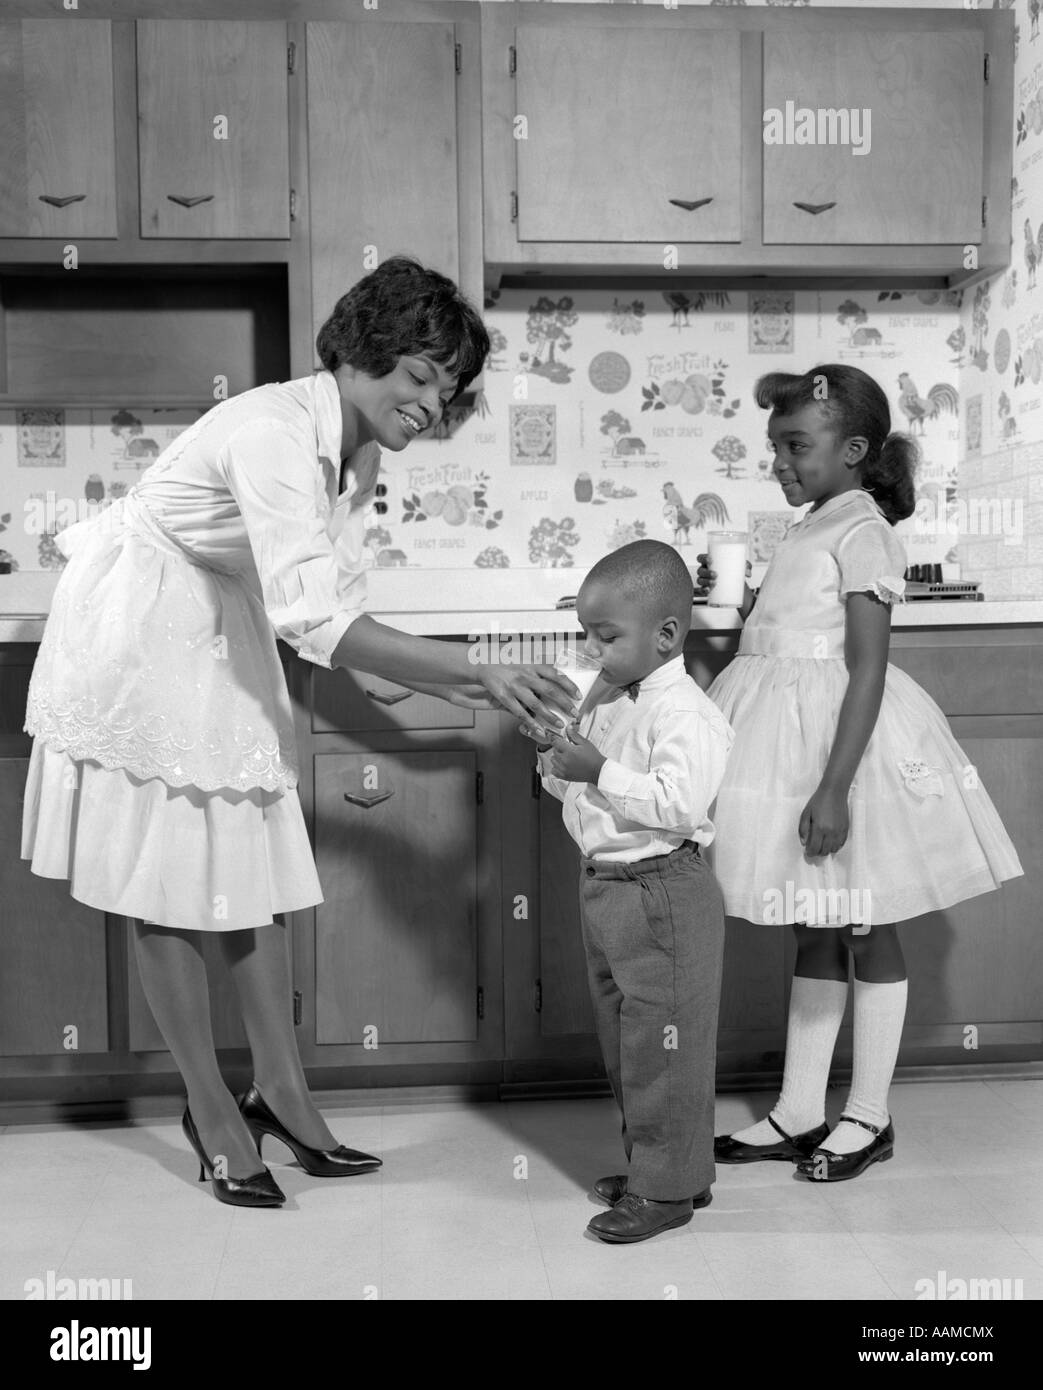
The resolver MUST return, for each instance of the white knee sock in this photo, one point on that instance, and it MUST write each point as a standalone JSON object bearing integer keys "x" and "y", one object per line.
{"x": 816, "y": 1008}
{"x": 879, "y": 1016}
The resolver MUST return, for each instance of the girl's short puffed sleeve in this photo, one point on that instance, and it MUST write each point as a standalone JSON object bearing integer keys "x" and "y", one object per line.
{"x": 872, "y": 560}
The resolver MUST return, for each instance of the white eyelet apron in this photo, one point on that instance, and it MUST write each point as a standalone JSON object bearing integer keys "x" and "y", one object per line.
{"x": 163, "y": 775}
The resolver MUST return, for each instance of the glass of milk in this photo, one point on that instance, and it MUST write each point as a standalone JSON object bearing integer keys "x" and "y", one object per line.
{"x": 727, "y": 554}
{"x": 581, "y": 669}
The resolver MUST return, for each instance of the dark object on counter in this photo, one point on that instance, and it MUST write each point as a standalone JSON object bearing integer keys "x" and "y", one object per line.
{"x": 569, "y": 601}
{"x": 917, "y": 590}
{"x": 583, "y": 490}
{"x": 924, "y": 574}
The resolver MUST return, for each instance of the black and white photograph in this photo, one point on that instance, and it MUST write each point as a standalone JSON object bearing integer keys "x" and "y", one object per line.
{"x": 521, "y": 666}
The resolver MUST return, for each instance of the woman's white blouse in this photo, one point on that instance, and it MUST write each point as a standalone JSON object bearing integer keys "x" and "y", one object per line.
{"x": 240, "y": 492}
{"x": 159, "y": 653}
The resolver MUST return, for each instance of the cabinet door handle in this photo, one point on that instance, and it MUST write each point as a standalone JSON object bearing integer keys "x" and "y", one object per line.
{"x": 62, "y": 202}
{"x": 814, "y": 208}
{"x": 190, "y": 202}
{"x": 368, "y": 800}
{"x": 393, "y": 698}
{"x": 690, "y": 207}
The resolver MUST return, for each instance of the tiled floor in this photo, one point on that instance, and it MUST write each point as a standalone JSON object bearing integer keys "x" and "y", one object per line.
{"x": 491, "y": 1201}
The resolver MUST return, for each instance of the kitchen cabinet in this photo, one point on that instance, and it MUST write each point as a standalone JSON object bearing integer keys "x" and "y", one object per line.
{"x": 57, "y": 128}
{"x": 213, "y": 129}
{"x": 911, "y": 169}
{"x": 645, "y": 141}
{"x": 393, "y": 119}
{"x": 603, "y": 153}
{"x": 396, "y": 944}
{"x": 53, "y": 987}
{"x": 344, "y": 701}
{"x": 447, "y": 950}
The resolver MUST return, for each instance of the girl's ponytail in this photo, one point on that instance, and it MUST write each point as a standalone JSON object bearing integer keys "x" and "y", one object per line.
{"x": 889, "y": 477}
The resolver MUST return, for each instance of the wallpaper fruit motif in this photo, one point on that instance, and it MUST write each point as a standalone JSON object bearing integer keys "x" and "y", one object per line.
{"x": 612, "y": 415}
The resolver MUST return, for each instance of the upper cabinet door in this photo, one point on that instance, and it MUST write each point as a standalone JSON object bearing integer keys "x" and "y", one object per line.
{"x": 382, "y": 151}
{"x": 214, "y": 139}
{"x": 628, "y": 134}
{"x": 57, "y": 137}
{"x": 911, "y": 105}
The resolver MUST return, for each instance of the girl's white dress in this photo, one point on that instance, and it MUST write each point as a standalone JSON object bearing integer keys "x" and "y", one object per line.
{"x": 163, "y": 775}
{"x": 924, "y": 834}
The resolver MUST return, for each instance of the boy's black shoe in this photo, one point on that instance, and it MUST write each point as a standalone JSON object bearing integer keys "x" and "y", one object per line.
{"x": 790, "y": 1149}
{"x": 610, "y": 1190}
{"x": 638, "y": 1218}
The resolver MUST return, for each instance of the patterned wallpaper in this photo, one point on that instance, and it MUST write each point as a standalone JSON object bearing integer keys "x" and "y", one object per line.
{"x": 611, "y": 415}
{"x": 1000, "y": 477}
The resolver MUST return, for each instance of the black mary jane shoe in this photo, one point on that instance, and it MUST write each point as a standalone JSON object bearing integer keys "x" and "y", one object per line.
{"x": 788, "y": 1148}
{"x": 636, "y": 1218}
{"x": 823, "y": 1166}
{"x": 340, "y": 1162}
{"x": 614, "y": 1189}
{"x": 258, "y": 1190}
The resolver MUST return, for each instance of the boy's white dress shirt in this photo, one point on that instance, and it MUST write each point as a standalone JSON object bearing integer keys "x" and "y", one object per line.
{"x": 665, "y": 754}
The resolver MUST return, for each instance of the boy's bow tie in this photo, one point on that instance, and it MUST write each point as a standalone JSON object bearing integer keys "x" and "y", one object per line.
{"x": 632, "y": 689}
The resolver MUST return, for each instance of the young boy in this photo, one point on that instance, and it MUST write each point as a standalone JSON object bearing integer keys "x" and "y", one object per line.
{"x": 636, "y": 775}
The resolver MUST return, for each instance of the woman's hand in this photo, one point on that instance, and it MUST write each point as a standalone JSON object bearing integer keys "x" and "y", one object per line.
{"x": 473, "y": 696}
{"x": 540, "y": 696}
{"x": 824, "y": 823}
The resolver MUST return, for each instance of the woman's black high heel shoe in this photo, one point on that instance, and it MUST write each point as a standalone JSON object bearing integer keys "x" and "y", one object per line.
{"x": 823, "y": 1166}
{"x": 258, "y": 1190}
{"x": 320, "y": 1163}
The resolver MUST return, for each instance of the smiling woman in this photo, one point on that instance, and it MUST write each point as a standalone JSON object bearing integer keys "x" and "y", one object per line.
{"x": 163, "y": 777}
{"x": 411, "y": 348}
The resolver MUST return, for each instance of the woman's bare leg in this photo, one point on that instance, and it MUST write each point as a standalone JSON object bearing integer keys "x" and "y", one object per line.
{"x": 259, "y": 963}
{"x": 173, "y": 974}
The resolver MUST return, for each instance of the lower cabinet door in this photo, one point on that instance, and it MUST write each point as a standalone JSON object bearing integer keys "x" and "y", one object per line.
{"x": 53, "y": 990}
{"x": 396, "y": 940}
{"x": 564, "y": 994}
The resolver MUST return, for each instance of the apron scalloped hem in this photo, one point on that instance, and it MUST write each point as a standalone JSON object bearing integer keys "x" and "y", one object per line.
{"x": 176, "y": 856}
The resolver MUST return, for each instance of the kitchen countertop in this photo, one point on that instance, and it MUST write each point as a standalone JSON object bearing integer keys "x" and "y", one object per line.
{"x": 474, "y": 601}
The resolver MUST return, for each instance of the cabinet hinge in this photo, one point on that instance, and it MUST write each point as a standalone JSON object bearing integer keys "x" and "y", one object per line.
{"x": 514, "y": 207}
{"x": 291, "y": 57}
{"x": 479, "y": 787}
{"x": 537, "y": 785}
{"x": 986, "y": 67}
{"x": 293, "y": 205}
{"x": 513, "y": 67}
{"x": 984, "y": 211}
{"x": 481, "y": 1002}
{"x": 537, "y": 997}
{"x": 458, "y": 57}
{"x": 298, "y": 1003}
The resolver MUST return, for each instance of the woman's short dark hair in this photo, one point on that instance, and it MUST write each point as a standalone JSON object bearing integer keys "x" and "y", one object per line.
{"x": 402, "y": 309}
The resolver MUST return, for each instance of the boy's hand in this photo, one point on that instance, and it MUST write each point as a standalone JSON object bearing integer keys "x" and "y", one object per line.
{"x": 576, "y": 760}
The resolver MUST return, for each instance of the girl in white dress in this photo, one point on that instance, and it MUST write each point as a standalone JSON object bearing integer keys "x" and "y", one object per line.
{"x": 847, "y": 806}
{"x": 163, "y": 775}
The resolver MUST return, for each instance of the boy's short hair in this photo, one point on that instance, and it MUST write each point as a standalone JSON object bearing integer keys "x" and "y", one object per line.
{"x": 652, "y": 574}
{"x": 401, "y": 309}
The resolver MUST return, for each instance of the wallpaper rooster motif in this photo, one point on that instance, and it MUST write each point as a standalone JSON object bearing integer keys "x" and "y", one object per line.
{"x": 680, "y": 519}
{"x": 940, "y": 399}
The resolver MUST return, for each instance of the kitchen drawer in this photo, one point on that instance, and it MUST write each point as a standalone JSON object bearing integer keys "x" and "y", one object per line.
{"x": 346, "y": 702}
